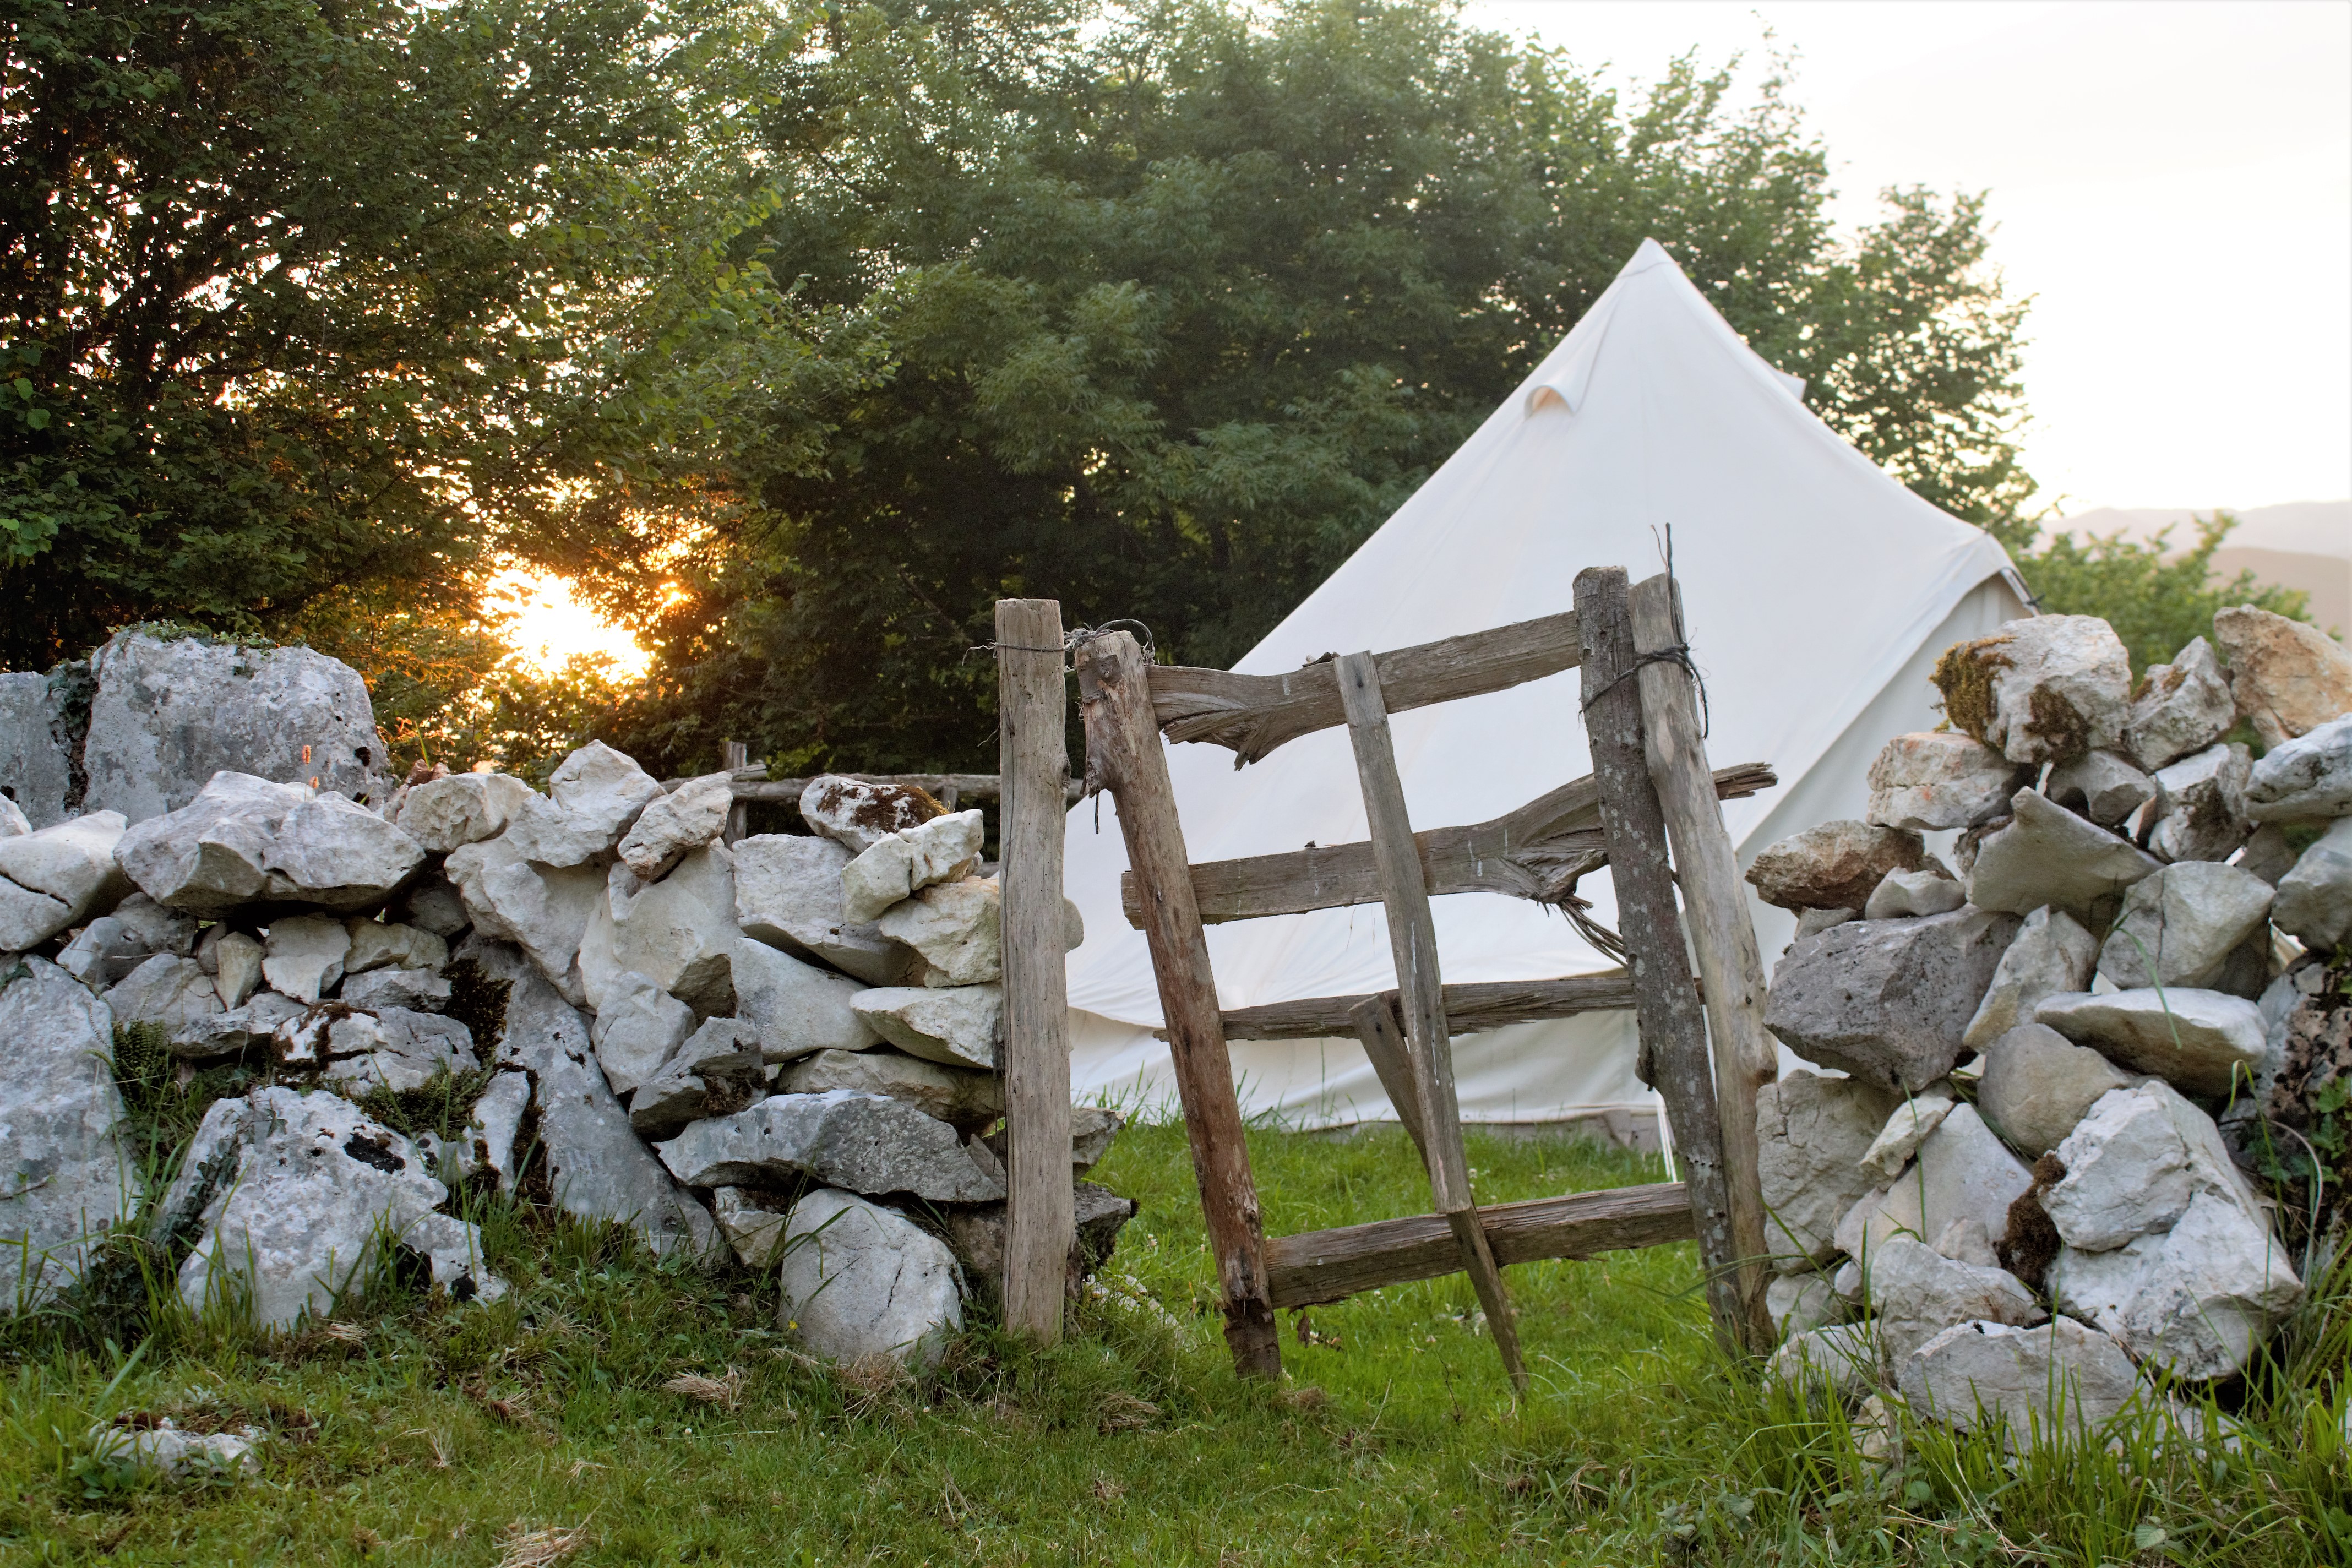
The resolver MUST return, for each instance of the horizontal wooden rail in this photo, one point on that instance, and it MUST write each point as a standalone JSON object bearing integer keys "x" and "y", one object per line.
{"x": 1470, "y": 1008}
{"x": 1320, "y": 1266}
{"x": 753, "y": 783}
{"x": 1253, "y": 714}
{"x": 1536, "y": 852}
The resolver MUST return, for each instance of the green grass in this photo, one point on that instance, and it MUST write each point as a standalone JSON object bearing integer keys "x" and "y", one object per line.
{"x": 446, "y": 1432}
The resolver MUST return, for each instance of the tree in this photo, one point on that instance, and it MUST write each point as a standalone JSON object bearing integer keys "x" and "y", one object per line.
{"x": 306, "y": 300}
{"x": 2154, "y": 604}
{"x": 1160, "y": 311}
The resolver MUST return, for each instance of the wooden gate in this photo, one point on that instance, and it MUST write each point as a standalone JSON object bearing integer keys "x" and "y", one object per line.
{"x": 1651, "y": 785}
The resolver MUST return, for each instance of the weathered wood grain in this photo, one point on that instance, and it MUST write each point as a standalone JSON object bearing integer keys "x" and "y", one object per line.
{"x": 1033, "y": 710}
{"x": 1471, "y": 1008}
{"x": 1536, "y": 852}
{"x": 1673, "y": 1030}
{"x": 1124, "y": 756}
{"x": 1723, "y": 938}
{"x": 756, "y": 786}
{"x": 1413, "y": 943}
{"x": 1374, "y": 1019}
{"x": 1320, "y": 1266}
{"x": 1253, "y": 714}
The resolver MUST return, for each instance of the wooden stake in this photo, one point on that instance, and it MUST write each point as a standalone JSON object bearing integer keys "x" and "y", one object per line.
{"x": 1034, "y": 760}
{"x": 1412, "y": 940}
{"x": 1374, "y": 1019}
{"x": 1715, "y": 911}
{"x": 734, "y": 755}
{"x": 1674, "y": 1030}
{"x": 1124, "y": 757}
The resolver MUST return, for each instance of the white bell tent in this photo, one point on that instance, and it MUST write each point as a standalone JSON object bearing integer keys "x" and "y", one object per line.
{"x": 1817, "y": 592}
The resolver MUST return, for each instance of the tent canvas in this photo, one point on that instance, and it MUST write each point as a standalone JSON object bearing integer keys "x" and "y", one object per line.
{"x": 1817, "y": 590}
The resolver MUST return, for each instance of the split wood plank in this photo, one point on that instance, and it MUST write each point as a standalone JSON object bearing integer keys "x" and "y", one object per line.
{"x": 1535, "y": 852}
{"x": 1253, "y": 714}
{"x": 1723, "y": 937}
{"x": 1674, "y": 1051}
{"x": 1321, "y": 1266}
{"x": 1124, "y": 756}
{"x": 735, "y": 757}
{"x": 1412, "y": 942}
{"x": 1471, "y": 1008}
{"x": 1032, "y": 712}
{"x": 1374, "y": 1019}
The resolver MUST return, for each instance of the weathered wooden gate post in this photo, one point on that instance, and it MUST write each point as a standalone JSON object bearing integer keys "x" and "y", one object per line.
{"x": 1124, "y": 757}
{"x": 1033, "y": 762}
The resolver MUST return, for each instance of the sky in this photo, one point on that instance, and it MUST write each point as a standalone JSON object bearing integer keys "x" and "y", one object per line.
{"x": 2171, "y": 183}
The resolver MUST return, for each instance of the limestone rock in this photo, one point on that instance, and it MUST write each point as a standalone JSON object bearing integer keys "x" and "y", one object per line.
{"x": 35, "y": 776}
{"x": 863, "y": 1142}
{"x": 59, "y": 877}
{"x": 1938, "y": 779}
{"x": 596, "y": 1164}
{"x": 1812, "y": 922}
{"x": 2303, "y": 780}
{"x": 1835, "y": 866}
{"x": 752, "y": 1220}
{"x": 290, "y": 1194}
{"x": 2197, "y": 1300}
{"x": 2102, "y": 786}
{"x": 798, "y": 1009}
{"x": 2195, "y": 1040}
{"x": 861, "y": 1283}
{"x": 2050, "y": 953}
{"x": 593, "y": 798}
{"x": 13, "y": 820}
{"x": 1801, "y": 1302}
{"x": 491, "y": 1132}
{"x": 788, "y": 895}
{"x": 392, "y": 1047}
{"x": 449, "y": 813}
{"x": 688, "y": 817}
{"x": 1840, "y": 1358}
{"x": 542, "y": 910}
{"x": 304, "y": 956}
{"x": 2201, "y": 804}
{"x": 237, "y": 1030}
{"x": 717, "y": 1072}
{"x": 236, "y": 968}
{"x": 959, "y": 1097}
{"x": 679, "y": 932}
{"x": 1965, "y": 1241}
{"x": 638, "y": 1028}
{"x": 2314, "y": 899}
{"x": 2134, "y": 1164}
{"x": 2059, "y": 1377}
{"x": 376, "y": 944}
{"x": 976, "y": 1235}
{"x": 1093, "y": 1128}
{"x": 1962, "y": 1172}
{"x": 2047, "y": 855}
{"x": 1887, "y": 1000}
{"x": 1905, "y": 1130}
{"x": 2181, "y": 707}
{"x": 178, "y": 1455}
{"x": 168, "y": 716}
{"x": 1918, "y": 1293}
{"x": 2288, "y": 677}
{"x": 433, "y": 904}
{"x": 858, "y": 815}
{"x": 112, "y": 945}
{"x": 247, "y": 841}
{"x": 945, "y": 850}
{"x": 1811, "y": 1133}
{"x": 960, "y": 1026}
{"x": 167, "y": 992}
{"x": 2037, "y": 1086}
{"x": 2039, "y": 689}
{"x": 66, "y": 1175}
{"x": 417, "y": 990}
{"x": 2179, "y": 927}
{"x": 1903, "y": 895}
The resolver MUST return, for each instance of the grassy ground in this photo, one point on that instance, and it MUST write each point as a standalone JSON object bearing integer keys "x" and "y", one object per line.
{"x": 411, "y": 1432}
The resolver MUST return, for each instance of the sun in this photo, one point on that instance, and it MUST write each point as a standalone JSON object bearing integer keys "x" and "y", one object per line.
{"x": 552, "y": 623}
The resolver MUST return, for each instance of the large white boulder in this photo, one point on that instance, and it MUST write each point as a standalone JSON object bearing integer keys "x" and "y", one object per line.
{"x": 865, "y": 1143}
{"x": 2037, "y": 1085}
{"x": 861, "y": 1282}
{"x": 2050, "y": 953}
{"x": 1811, "y": 1133}
{"x": 2198, "y": 1041}
{"x": 542, "y": 910}
{"x": 965, "y": 1099}
{"x": 1962, "y": 1172}
{"x": 2039, "y": 689}
{"x": 169, "y": 993}
{"x": 688, "y": 817}
{"x": 788, "y": 895}
{"x": 66, "y": 1177}
{"x": 944, "y": 849}
{"x": 2060, "y": 1379}
{"x": 244, "y": 841}
{"x": 303, "y": 957}
{"x": 2196, "y": 1300}
{"x": 1939, "y": 779}
{"x": 1887, "y": 1000}
{"x": 59, "y": 877}
{"x": 2047, "y": 855}
{"x": 638, "y": 1028}
{"x": 169, "y": 715}
{"x": 2288, "y": 677}
{"x": 962, "y": 1025}
{"x": 1916, "y": 1293}
{"x": 679, "y": 932}
{"x": 858, "y": 815}
{"x": 798, "y": 1009}
{"x": 291, "y": 1194}
{"x": 2182, "y": 926}
{"x": 593, "y": 798}
{"x": 449, "y": 813}
{"x": 2314, "y": 899}
{"x": 36, "y": 777}
{"x": 2305, "y": 780}
{"x": 2133, "y": 1165}
{"x": 390, "y": 1048}
{"x": 2201, "y": 804}
{"x": 2181, "y": 707}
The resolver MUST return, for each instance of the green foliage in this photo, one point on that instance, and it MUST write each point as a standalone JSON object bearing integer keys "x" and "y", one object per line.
{"x": 2156, "y": 604}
